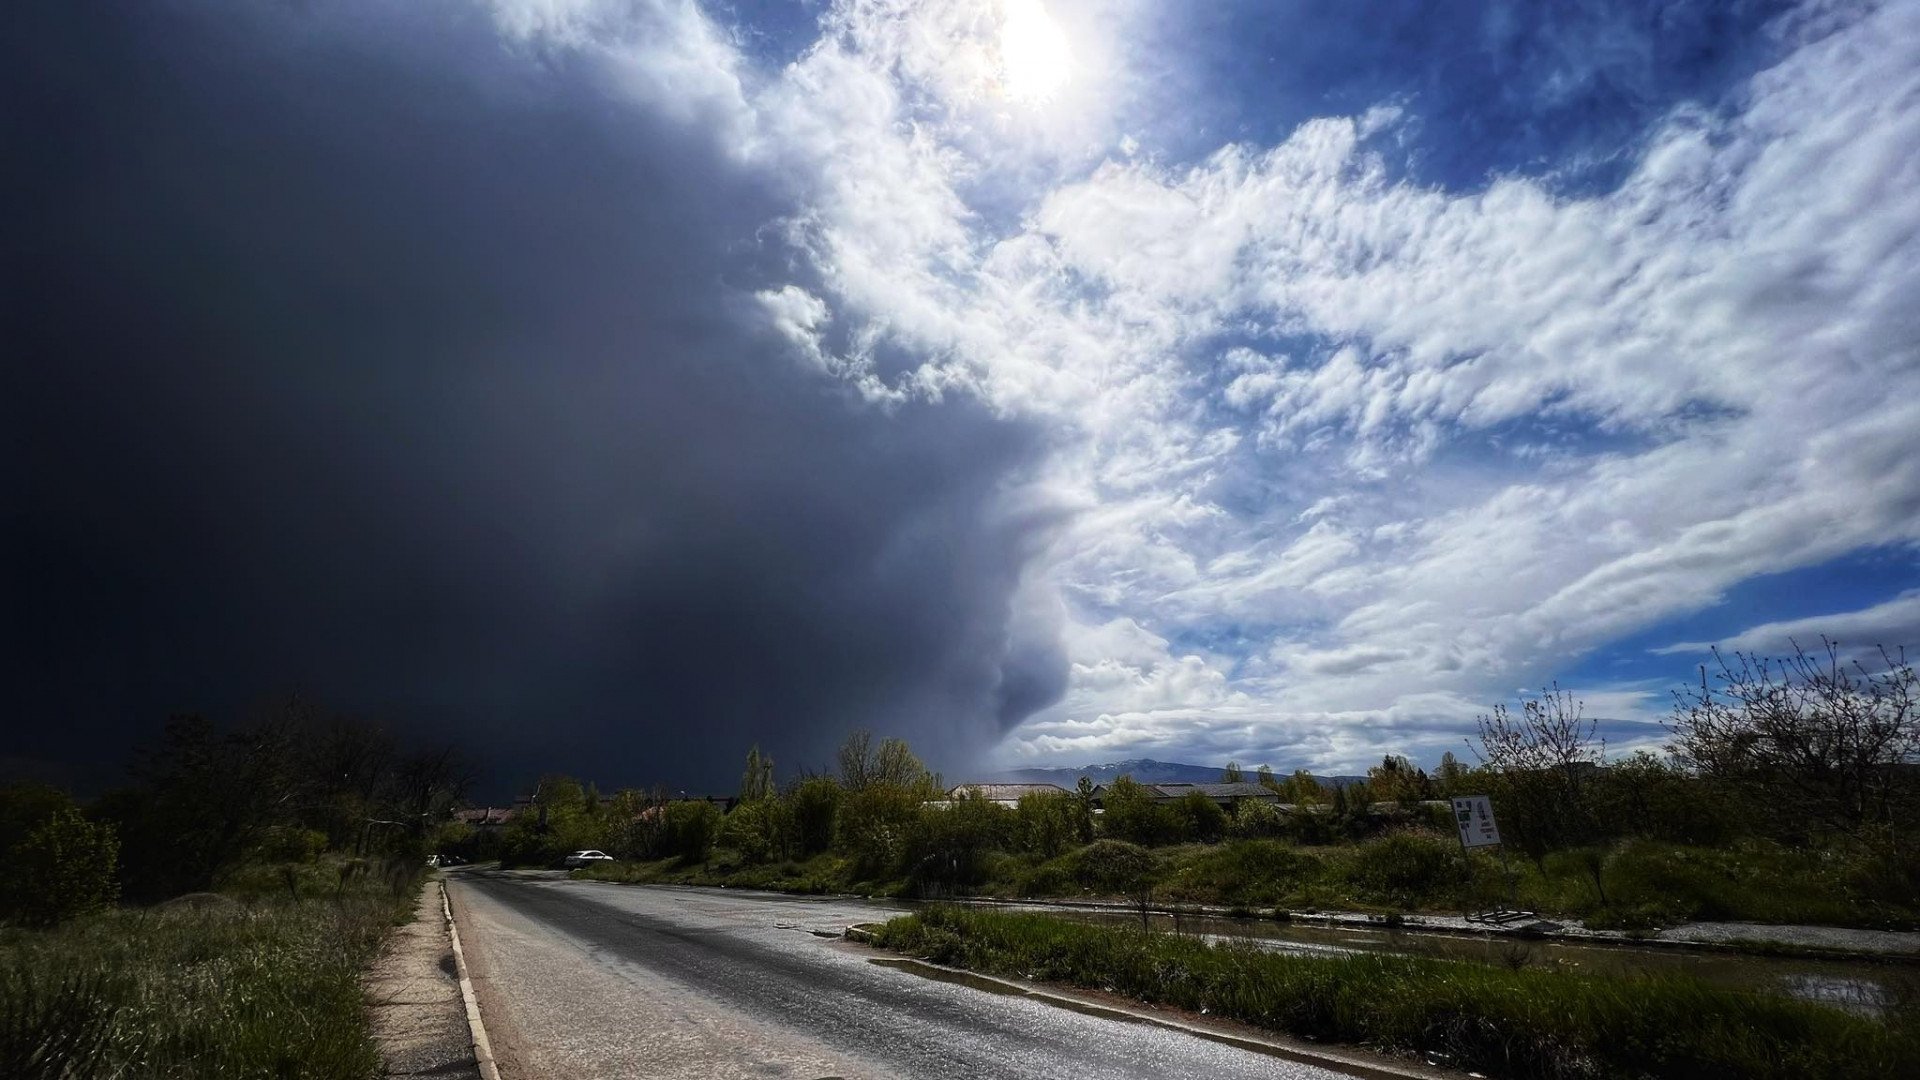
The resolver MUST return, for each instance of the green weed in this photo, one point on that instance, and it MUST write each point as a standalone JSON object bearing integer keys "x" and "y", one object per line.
{"x": 206, "y": 986}
{"x": 1513, "y": 1023}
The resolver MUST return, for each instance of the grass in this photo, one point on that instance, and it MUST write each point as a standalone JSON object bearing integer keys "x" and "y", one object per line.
{"x": 209, "y": 987}
{"x": 1521, "y": 1024}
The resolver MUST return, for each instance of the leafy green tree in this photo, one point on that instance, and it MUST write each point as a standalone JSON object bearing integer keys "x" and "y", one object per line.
{"x": 1131, "y": 812}
{"x": 1302, "y": 789}
{"x": 1397, "y": 779}
{"x": 203, "y": 798}
{"x": 1083, "y": 796}
{"x": 861, "y": 765}
{"x": 1257, "y": 820}
{"x": 946, "y": 846}
{"x": 25, "y": 807}
{"x": 873, "y": 826}
{"x": 1198, "y": 818}
{"x": 1450, "y": 778}
{"x": 760, "y": 829}
{"x": 690, "y": 828}
{"x": 1644, "y": 796}
{"x": 1046, "y": 822}
{"x": 757, "y": 781}
{"x": 815, "y": 805}
{"x": 1264, "y": 777}
{"x": 1232, "y": 774}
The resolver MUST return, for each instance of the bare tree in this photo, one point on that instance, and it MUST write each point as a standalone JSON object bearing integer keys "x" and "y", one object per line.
{"x": 1823, "y": 745}
{"x": 856, "y": 760}
{"x": 1543, "y": 762}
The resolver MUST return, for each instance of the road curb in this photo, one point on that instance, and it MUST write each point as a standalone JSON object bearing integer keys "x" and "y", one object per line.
{"x": 1365, "y": 1068}
{"x": 482, "y": 1049}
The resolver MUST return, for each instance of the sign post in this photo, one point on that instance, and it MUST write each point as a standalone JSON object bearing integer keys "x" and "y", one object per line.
{"x": 1473, "y": 817}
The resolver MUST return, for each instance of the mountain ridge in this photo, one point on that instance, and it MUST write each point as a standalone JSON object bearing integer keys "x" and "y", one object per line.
{"x": 1145, "y": 770}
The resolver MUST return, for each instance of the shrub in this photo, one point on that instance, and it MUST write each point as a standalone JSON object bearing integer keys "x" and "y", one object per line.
{"x": 1133, "y": 813}
{"x": 1256, "y": 820}
{"x": 759, "y": 830}
{"x": 1246, "y": 873}
{"x": 65, "y": 867}
{"x": 816, "y": 806}
{"x": 1198, "y": 818}
{"x": 290, "y": 843}
{"x": 1046, "y": 822}
{"x": 1115, "y": 866}
{"x": 689, "y": 827}
{"x": 873, "y": 824}
{"x": 946, "y": 846}
{"x": 1407, "y": 869}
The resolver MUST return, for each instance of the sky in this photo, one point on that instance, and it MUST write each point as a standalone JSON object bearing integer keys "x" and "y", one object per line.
{"x": 608, "y": 385}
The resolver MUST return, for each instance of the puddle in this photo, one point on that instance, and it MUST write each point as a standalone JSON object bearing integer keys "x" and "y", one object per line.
{"x": 1862, "y": 996}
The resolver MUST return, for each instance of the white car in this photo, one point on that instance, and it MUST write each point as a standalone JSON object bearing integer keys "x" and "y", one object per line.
{"x": 582, "y": 858}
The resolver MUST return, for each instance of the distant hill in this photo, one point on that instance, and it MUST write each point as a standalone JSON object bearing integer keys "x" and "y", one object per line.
{"x": 1145, "y": 770}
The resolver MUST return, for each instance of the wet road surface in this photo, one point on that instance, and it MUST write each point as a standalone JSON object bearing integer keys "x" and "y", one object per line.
{"x": 580, "y": 979}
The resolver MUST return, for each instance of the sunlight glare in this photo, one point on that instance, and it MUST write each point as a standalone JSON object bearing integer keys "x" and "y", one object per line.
{"x": 1035, "y": 60}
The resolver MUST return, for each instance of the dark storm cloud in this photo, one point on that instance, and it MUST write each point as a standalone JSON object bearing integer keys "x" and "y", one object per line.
{"x": 368, "y": 357}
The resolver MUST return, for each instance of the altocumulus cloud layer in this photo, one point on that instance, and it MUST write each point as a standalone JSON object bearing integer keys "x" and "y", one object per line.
{"x": 362, "y": 350}
{"x": 628, "y": 380}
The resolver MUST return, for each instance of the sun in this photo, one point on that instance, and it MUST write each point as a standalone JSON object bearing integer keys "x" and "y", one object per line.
{"x": 1035, "y": 60}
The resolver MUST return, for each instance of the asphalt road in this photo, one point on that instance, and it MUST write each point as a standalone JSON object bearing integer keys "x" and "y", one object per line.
{"x": 580, "y": 979}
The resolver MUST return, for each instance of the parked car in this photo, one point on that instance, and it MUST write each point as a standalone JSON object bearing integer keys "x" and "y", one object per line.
{"x": 582, "y": 858}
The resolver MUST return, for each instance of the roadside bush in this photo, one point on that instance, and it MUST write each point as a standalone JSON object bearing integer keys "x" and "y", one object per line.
{"x": 688, "y": 829}
{"x": 1245, "y": 873}
{"x": 1050, "y": 878}
{"x": 1311, "y": 825}
{"x": 1198, "y": 819}
{"x": 290, "y": 843}
{"x": 873, "y": 825}
{"x": 945, "y": 846}
{"x": 1134, "y": 814}
{"x": 1115, "y": 867}
{"x": 1407, "y": 869}
{"x": 1748, "y": 881}
{"x": 64, "y": 867}
{"x": 815, "y": 802}
{"x": 1255, "y": 820}
{"x": 759, "y": 831}
{"x": 1046, "y": 822}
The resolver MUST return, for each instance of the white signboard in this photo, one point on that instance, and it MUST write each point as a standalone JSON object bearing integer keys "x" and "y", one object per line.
{"x": 1474, "y": 815}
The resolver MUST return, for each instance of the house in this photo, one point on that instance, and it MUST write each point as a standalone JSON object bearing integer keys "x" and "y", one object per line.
{"x": 487, "y": 818}
{"x": 1223, "y": 795}
{"x": 1007, "y": 795}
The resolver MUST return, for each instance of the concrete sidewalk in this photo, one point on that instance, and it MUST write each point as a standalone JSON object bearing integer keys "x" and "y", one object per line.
{"x": 413, "y": 995}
